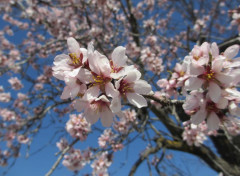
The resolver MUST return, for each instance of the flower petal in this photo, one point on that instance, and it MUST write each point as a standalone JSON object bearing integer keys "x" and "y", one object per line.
{"x": 107, "y": 118}
{"x": 222, "y": 103}
{"x": 65, "y": 93}
{"x": 198, "y": 117}
{"x": 231, "y": 51}
{"x": 137, "y": 100}
{"x": 118, "y": 56}
{"x": 132, "y": 76}
{"x": 224, "y": 78}
{"x": 213, "y": 121}
{"x": 73, "y": 46}
{"x": 110, "y": 90}
{"x": 214, "y": 92}
{"x": 142, "y": 87}
{"x": 115, "y": 105}
{"x": 194, "y": 83}
{"x": 80, "y": 104}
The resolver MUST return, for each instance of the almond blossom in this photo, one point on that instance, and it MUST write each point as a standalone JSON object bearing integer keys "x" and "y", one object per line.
{"x": 97, "y": 83}
{"x": 101, "y": 164}
{"x": 96, "y": 108}
{"x": 5, "y": 97}
{"x": 195, "y": 135}
{"x": 211, "y": 81}
{"x": 78, "y": 127}
{"x": 130, "y": 87}
{"x": 15, "y": 83}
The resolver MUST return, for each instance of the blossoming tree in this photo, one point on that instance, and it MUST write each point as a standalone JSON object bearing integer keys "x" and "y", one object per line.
{"x": 166, "y": 72}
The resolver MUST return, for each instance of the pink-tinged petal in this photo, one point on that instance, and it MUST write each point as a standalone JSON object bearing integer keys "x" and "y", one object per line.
{"x": 205, "y": 47}
{"x": 74, "y": 91}
{"x": 235, "y": 63}
{"x": 225, "y": 79}
{"x": 93, "y": 60}
{"x": 142, "y": 87}
{"x": 107, "y": 118}
{"x": 137, "y": 100}
{"x": 213, "y": 121}
{"x": 117, "y": 83}
{"x": 215, "y": 50}
{"x": 61, "y": 59}
{"x": 196, "y": 69}
{"x": 110, "y": 90}
{"x": 118, "y": 75}
{"x": 217, "y": 65}
{"x": 222, "y": 103}
{"x": 118, "y": 56}
{"x": 115, "y": 105}
{"x": 83, "y": 89}
{"x": 232, "y": 107}
{"x": 73, "y": 46}
{"x": 70, "y": 81}
{"x": 202, "y": 60}
{"x": 104, "y": 65}
{"x": 231, "y": 51}
{"x": 85, "y": 54}
{"x": 74, "y": 72}
{"x": 92, "y": 93}
{"x": 103, "y": 98}
{"x": 214, "y": 92}
{"x": 132, "y": 76}
{"x": 198, "y": 117}
{"x": 65, "y": 93}
{"x": 91, "y": 117}
{"x": 80, "y": 105}
{"x": 85, "y": 76}
{"x": 194, "y": 83}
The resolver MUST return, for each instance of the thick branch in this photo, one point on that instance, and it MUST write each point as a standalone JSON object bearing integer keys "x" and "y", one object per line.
{"x": 204, "y": 153}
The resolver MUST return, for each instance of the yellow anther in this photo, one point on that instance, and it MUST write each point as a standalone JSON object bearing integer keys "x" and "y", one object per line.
{"x": 74, "y": 58}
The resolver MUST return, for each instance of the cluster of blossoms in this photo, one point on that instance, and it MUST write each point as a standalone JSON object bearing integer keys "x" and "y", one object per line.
{"x": 15, "y": 83}
{"x": 196, "y": 134}
{"x": 211, "y": 80}
{"x": 75, "y": 159}
{"x": 127, "y": 119}
{"x": 108, "y": 138}
{"x": 153, "y": 62}
{"x": 78, "y": 127}
{"x": 99, "y": 83}
{"x": 208, "y": 79}
{"x": 235, "y": 18}
{"x": 101, "y": 164}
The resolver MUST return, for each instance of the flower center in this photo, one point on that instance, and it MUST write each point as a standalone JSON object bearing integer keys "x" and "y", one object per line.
{"x": 76, "y": 60}
{"x": 208, "y": 75}
{"x": 125, "y": 87}
{"x": 114, "y": 69}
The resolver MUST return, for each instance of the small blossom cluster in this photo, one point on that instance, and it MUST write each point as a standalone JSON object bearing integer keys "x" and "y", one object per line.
{"x": 152, "y": 61}
{"x": 75, "y": 159}
{"x": 101, "y": 164}
{"x": 99, "y": 83}
{"x": 5, "y": 97}
{"x": 127, "y": 119}
{"x": 7, "y": 115}
{"x": 108, "y": 138}
{"x": 15, "y": 83}
{"x": 177, "y": 79}
{"x": 78, "y": 127}
{"x": 211, "y": 79}
{"x": 235, "y": 17}
{"x": 194, "y": 134}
